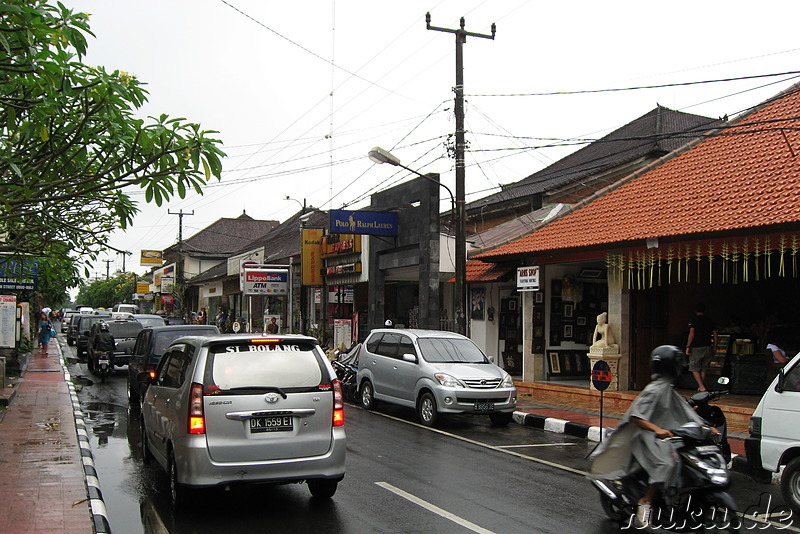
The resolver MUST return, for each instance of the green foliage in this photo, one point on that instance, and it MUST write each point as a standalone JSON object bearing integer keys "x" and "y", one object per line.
{"x": 105, "y": 293}
{"x": 71, "y": 145}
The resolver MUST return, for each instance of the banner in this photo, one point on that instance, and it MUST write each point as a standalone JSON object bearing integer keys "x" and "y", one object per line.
{"x": 272, "y": 282}
{"x": 312, "y": 257}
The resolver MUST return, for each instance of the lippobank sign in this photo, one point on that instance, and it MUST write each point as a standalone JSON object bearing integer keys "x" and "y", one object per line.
{"x": 363, "y": 222}
{"x": 271, "y": 282}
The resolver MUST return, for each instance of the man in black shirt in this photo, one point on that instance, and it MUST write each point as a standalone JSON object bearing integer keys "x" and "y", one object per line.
{"x": 701, "y": 345}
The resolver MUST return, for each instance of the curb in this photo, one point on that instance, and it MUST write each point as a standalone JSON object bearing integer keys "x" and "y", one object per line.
{"x": 96, "y": 503}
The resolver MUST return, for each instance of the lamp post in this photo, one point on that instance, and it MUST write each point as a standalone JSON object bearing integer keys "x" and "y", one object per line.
{"x": 380, "y": 155}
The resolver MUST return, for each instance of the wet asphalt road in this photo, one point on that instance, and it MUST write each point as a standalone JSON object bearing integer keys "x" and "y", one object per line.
{"x": 465, "y": 476}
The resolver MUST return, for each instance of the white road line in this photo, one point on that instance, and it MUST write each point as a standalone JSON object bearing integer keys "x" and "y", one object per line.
{"x": 487, "y": 446}
{"x": 535, "y": 445}
{"x": 435, "y": 509}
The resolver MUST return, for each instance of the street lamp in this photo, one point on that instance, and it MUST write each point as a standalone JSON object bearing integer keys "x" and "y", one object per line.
{"x": 380, "y": 155}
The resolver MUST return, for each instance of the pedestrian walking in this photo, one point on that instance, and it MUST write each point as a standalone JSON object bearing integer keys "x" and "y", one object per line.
{"x": 701, "y": 344}
{"x": 44, "y": 331}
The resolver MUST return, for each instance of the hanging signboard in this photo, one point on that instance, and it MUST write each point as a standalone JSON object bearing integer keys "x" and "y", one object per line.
{"x": 272, "y": 282}
{"x": 311, "y": 257}
{"x": 150, "y": 257}
{"x": 528, "y": 278}
{"x": 18, "y": 275}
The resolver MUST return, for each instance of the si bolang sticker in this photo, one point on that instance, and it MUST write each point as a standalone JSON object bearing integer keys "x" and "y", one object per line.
{"x": 263, "y": 348}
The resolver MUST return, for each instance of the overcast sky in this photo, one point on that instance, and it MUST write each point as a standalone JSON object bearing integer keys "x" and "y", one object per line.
{"x": 301, "y": 90}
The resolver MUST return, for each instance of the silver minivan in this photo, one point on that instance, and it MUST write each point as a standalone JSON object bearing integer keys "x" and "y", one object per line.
{"x": 227, "y": 409}
{"x": 434, "y": 372}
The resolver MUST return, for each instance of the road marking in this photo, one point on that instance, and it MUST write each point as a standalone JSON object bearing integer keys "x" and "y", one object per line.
{"x": 487, "y": 446}
{"x": 535, "y": 445}
{"x": 433, "y": 508}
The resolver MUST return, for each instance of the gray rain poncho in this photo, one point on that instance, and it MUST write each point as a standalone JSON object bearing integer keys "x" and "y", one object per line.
{"x": 631, "y": 447}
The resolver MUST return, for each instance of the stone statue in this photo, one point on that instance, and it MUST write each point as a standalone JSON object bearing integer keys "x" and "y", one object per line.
{"x": 602, "y": 337}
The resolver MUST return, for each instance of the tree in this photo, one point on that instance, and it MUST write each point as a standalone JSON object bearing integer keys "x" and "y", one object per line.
{"x": 109, "y": 291}
{"x": 71, "y": 145}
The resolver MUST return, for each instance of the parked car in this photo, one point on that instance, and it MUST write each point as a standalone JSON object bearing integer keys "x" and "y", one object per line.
{"x": 239, "y": 409}
{"x": 148, "y": 319}
{"x": 129, "y": 308}
{"x": 434, "y": 372}
{"x": 65, "y": 320}
{"x": 124, "y": 332}
{"x": 80, "y": 330}
{"x": 176, "y": 320}
{"x": 149, "y": 348}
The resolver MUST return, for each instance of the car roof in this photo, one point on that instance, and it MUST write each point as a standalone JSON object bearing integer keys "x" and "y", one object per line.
{"x": 145, "y": 315}
{"x": 238, "y": 338}
{"x": 420, "y": 333}
{"x": 170, "y": 327}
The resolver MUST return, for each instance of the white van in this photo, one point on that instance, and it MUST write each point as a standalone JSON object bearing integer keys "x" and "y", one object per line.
{"x": 125, "y": 308}
{"x": 775, "y": 432}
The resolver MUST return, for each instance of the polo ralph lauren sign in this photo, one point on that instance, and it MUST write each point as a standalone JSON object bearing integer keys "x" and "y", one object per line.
{"x": 363, "y": 222}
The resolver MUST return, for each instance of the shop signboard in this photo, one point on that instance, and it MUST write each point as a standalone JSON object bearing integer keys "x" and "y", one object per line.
{"x": 342, "y": 333}
{"x": 271, "y": 282}
{"x": 150, "y": 257}
{"x": 18, "y": 276}
{"x": 363, "y": 222}
{"x": 339, "y": 244}
{"x": 528, "y": 278}
{"x": 167, "y": 283}
{"x": 8, "y": 320}
{"x": 245, "y": 264}
{"x": 142, "y": 288}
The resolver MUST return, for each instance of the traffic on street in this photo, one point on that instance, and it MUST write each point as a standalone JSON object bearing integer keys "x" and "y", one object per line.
{"x": 465, "y": 475}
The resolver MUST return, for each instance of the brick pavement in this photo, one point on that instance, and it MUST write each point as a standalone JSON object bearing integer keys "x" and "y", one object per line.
{"x": 44, "y": 488}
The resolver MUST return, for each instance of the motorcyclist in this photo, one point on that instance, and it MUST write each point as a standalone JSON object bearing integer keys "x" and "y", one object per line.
{"x": 104, "y": 341}
{"x": 638, "y": 441}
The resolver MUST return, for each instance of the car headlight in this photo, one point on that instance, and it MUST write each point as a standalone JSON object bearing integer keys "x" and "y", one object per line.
{"x": 448, "y": 381}
{"x": 507, "y": 382}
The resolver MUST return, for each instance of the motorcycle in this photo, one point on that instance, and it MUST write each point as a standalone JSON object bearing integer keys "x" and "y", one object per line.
{"x": 104, "y": 365}
{"x": 701, "y": 500}
{"x": 346, "y": 367}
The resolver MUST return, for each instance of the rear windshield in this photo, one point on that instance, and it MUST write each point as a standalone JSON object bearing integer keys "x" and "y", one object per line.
{"x": 165, "y": 337}
{"x": 440, "y": 350}
{"x": 147, "y": 321}
{"x": 283, "y": 365}
{"x": 126, "y": 329}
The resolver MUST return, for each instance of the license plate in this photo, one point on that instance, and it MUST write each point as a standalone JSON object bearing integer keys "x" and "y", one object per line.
{"x": 484, "y": 406}
{"x": 271, "y": 424}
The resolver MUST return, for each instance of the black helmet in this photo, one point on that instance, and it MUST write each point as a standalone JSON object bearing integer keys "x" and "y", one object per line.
{"x": 103, "y": 327}
{"x": 667, "y": 361}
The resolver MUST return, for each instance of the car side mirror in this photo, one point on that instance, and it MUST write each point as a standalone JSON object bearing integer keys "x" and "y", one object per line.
{"x": 408, "y": 357}
{"x": 781, "y": 385}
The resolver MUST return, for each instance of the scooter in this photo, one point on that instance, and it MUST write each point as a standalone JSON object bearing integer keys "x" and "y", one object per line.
{"x": 702, "y": 500}
{"x": 713, "y": 415}
{"x": 346, "y": 367}
{"x": 104, "y": 365}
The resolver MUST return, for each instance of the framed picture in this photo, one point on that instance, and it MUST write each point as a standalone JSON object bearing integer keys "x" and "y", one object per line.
{"x": 539, "y": 297}
{"x": 538, "y": 331}
{"x": 567, "y": 331}
{"x": 591, "y": 273}
{"x": 568, "y": 310}
{"x": 581, "y": 321}
{"x": 478, "y": 303}
{"x": 555, "y": 365}
{"x": 512, "y": 304}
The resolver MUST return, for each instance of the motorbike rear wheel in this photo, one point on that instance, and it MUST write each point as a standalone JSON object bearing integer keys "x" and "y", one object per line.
{"x": 612, "y": 508}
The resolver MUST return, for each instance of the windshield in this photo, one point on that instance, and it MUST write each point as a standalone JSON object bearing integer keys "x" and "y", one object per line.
{"x": 148, "y": 321}
{"x": 126, "y": 329}
{"x": 450, "y": 350}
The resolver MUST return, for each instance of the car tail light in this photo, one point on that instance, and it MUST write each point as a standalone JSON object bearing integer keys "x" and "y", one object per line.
{"x": 151, "y": 370}
{"x": 197, "y": 421}
{"x": 338, "y": 403}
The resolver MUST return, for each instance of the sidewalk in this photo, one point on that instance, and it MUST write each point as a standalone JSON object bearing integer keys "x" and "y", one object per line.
{"x": 49, "y": 481}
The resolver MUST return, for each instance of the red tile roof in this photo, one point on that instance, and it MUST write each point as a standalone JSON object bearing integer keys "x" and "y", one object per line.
{"x": 478, "y": 271}
{"x": 746, "y": 176}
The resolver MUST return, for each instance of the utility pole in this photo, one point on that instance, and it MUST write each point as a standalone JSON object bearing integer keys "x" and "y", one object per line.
{"x": 461, "y": 213}
{"x": 107, "y": 269}
{"x": 180, "y": 215}
{"x": 179, "y": 275}
{"x": 124, "y": 254}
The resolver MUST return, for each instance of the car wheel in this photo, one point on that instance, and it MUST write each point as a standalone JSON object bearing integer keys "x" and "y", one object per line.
{"x": 426, "y": 409}
{"x": 790, "y": 485}
{"x": 178, "y": 493}
{"x": 501, "y": 418}
{"x": 147, "y": 456}
{"x": 368, "y": 396}
{"x": 133, "y": 392}
{"x": 322, "y": 488}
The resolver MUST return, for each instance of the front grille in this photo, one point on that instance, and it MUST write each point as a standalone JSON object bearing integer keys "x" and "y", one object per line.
{"x": 482, "y": 383}
{"x": 470, "y": 400}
